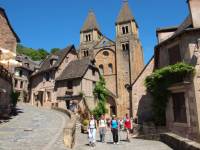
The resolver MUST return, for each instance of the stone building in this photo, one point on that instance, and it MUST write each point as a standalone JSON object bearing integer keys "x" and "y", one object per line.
{"x": 8, "y": 42}
{"x": 65, "y": 81}
{"x": 76, "y": 84}
{"x": 119, "y": 61}
{"x": 22, "y": 75}
{"x": 182, "y": 44}
{"x": 43, "y": 80}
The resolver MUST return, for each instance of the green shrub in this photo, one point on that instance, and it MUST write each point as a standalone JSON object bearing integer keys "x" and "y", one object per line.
{"x": 159, "y": 82}
{"x": 101, "y": 93}
{"x": 14, "y": 98}
{"x": 85, "y": 122}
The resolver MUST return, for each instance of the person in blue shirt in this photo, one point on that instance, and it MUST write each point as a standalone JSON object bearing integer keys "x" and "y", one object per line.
{"x": 114, "y": 129}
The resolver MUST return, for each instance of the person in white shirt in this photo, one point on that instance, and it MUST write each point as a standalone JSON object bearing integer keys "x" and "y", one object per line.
{"x": 102, "y": 128}
{"x": 92, "y": 131}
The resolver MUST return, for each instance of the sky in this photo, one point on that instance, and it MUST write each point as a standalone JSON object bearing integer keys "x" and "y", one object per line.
{"x": 56, "y": 23}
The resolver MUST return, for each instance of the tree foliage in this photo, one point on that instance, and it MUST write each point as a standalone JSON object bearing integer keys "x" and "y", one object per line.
{"x": 54, "y": 50}
{"x": 101, "y": 93}
{"x": 159, "y": 82}
{"x": 36, "y": 55}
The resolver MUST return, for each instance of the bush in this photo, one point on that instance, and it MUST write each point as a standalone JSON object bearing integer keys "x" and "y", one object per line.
{"x": 159, "y": 82}
{"x": 14, "y": 98}
{"x": 85, "y": 122}
{"x": 101, "y": 93}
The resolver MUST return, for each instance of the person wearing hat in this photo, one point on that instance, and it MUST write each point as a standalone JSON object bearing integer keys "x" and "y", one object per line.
{"x": 114, "y": 129}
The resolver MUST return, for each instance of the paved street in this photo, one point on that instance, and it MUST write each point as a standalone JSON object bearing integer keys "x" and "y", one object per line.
{"x": 135, "y": 144}
{"x": 41, "y": 129}
{"x": 33, "y": 129}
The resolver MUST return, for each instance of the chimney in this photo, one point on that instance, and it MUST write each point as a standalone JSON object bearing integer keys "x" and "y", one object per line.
{"x": 194, "y": 7}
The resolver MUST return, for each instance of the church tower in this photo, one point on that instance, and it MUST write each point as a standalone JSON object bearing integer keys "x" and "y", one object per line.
{"x": 89, "y": 35}
{"x": 129, "y": 57}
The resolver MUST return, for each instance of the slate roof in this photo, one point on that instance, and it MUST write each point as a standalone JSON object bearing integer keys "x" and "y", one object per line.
{"x": 26, "y": 60}
{"x": 76, "y": 69}
{"x": 186, "y": 25}
{"x": 90, "y": 23}
{"x": 60, "y": 55}
{"x": 15, "y": 34}
{"x": 125, "y": 14}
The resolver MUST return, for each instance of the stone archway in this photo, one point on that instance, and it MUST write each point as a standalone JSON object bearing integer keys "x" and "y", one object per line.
{"x": 111, "y": 106}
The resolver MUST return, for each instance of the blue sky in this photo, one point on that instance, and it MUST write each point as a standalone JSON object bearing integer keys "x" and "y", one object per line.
{"x": 56, "y": 23}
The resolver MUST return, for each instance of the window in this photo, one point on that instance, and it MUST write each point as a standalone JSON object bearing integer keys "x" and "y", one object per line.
{"x": 85, "y": 53}
{"x": 125, "y": 46}
{"x": 21, "y": 84}
{"x": 93, "y": 85}
{"x": 125, "y": 30}
{"x": 93, "y": 72}
{"x": 48, "y": 96}
{"x": 179, "y": 107}
{"x": 88, "y": 37}
{"x": 174, "y": 55}
{"x": 69, "y": 84}
{"x": 20, "y": 73}
{"x": 110, "y": 66}
{"x": 101, "y": 69}
{"x": 47, "y": 76}
{"x": 27, "y": 65}
{"x": 105, "y": 53}
{"x": 16, "y": 82}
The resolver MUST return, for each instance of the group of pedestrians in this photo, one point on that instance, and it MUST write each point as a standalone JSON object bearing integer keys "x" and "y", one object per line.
{"x": 115, "y": 125}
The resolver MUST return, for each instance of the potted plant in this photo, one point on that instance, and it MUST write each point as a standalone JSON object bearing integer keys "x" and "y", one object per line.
{"x": 84, "y": 125}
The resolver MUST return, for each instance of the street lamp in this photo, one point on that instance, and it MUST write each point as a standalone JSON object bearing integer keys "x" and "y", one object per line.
{"x": 129, "y": 89}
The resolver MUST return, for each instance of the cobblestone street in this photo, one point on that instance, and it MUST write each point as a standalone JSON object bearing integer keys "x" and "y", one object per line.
{"x": 135, "y": 144}
{"x": 33, "y": 129}
{"x": 42, "y": 129}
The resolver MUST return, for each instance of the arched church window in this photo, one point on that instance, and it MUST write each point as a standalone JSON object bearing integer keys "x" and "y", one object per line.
{"x": 123, "y": 30}
{"x": 110, "y": 66}
{"x": 105, "y": 53}
{"x": 85, "y": 53}
{"x": 101, "y": 69}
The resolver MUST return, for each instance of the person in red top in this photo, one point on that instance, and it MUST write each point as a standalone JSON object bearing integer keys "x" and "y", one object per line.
{"x": 127, "y": 126}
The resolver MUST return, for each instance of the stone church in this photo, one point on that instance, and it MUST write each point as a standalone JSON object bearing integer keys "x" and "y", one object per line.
{"x": 119, "y": 61}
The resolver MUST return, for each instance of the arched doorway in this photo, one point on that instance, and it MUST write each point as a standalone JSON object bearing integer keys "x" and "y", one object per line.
{"x": 111, "y": 106}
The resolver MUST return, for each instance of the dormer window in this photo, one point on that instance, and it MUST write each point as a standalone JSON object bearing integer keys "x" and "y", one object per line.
{"x": 27, "y": 65}
{"x": 53, "y": 60}
{"x": 125, "y": 30}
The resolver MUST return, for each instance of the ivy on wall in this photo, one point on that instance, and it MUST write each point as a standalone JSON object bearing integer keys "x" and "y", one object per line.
{"x": 101, "y": 93}
{"x": 159, "y": 82}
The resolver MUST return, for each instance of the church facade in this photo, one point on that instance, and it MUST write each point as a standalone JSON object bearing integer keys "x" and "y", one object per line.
{"x": 119, "y": 61}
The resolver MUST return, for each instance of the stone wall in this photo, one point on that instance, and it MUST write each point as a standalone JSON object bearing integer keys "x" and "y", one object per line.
{"x": 7, "y": 38}
{"x": 5, "y": 90}
{"x": 142, "y": 100}
{"x": 70, "y": 128}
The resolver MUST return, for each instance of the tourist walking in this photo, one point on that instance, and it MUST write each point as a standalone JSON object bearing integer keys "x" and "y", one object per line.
{"x": 92, "y": 131}
{"x": 102, "y": 128}
{"x": 114, "y": 129}
{"x": 127, "y": 126}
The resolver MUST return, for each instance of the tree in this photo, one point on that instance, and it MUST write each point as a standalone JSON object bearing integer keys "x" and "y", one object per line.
{"x": 54, "y": 50}
{"x": 101, "y": 93}
{"x": 34, "y": 54}
{"x": 42, "y": 53}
